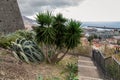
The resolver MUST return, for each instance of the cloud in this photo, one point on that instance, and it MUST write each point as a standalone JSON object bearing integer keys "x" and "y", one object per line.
{"x": 29, "y": 7}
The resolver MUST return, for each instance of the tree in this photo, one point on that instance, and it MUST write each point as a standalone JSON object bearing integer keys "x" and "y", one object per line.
{"x": 57, "y": 34}
{"x": 91, "y": 37}
{"x": 59, "y": 26}
{"x": 118, "y": 42}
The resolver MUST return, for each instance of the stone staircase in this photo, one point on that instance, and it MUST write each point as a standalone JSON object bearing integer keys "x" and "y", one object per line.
{"x": 88, "y": 70}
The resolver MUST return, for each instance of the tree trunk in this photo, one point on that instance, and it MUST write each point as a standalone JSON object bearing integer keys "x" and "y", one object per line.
{"x": 47, "y": 57}
{"x": 54, "y": 58}
{"x": 59, "y": 59}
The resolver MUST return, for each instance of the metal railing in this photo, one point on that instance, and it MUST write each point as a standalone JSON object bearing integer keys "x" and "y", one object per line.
{"x": 109, "y": 65}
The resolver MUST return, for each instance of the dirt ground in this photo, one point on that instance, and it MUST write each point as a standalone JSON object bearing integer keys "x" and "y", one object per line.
{"x": 12, "y": 69}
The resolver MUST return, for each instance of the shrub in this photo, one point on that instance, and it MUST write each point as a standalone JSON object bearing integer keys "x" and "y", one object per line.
{"x": 27, "y": 50}
{"x": 72, "y": 76}
{"x": 51, "y": 78}
{"x": 29, "y": 35}
{"x": 72, "y": 67}
{"x": 5, "y": 40}
{"x": 57, "y": 33}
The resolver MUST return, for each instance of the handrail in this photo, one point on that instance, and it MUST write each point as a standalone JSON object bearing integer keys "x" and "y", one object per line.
{"x": 115, "y": 60}
{"x": 103, "y": 62}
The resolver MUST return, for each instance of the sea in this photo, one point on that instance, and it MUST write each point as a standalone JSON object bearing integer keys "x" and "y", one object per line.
{"x": 115, "y": 24}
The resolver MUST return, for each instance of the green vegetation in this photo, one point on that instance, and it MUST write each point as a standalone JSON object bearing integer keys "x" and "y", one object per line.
{"x": 72, "y": 76}
{"x": 49, "y": 42}
{"x": 5, "y": 40}
{"x": 113, "y": 70}
{"x": 91, "y": 37}
{"x": 118, "y": 42}
{"x": 27, "y": 50}
{"x": 51, "y": 78}
{"x": 72, "y": 68}
{"x": 56, "y": 34}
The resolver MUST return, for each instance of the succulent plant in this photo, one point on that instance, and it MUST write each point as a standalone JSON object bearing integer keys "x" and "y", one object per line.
{"x": 27, "y": 50}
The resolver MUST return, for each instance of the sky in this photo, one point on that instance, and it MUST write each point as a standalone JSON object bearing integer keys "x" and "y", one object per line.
{"x": 82, "y": 10}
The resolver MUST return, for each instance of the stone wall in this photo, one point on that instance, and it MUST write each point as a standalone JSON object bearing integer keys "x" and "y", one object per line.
{"x": 10, "y": 17}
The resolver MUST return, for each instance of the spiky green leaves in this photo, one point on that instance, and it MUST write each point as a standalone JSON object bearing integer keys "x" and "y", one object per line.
{"x": 59, "y": 26}
{"x": 59, "y": 31}
{"x": 27, "y": 51}
{"x": 46, "y": 35}
{"x": 44, "y": 19}
{"x": 56, "y": 33}
{"x": 73, "y": 34}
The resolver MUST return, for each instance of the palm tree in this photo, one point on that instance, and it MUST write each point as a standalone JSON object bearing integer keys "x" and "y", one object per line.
{"x": 57, "y": 33}
{"x": 44, "y": 19}
{"x": 72, "y": 36}
{"x": 45, "y": 32}
{"x": 59, "y": 26}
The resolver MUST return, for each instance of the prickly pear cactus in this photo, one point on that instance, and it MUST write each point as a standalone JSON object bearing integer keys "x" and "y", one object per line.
{"x": 27, "y": 51}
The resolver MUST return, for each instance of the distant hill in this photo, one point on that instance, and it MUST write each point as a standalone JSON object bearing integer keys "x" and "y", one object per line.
{"x": 28, "y": 20}
{"x": 102, "y": 24}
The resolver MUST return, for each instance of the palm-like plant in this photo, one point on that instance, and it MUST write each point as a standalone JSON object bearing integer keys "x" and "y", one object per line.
{"x": 73, "y": 34}
{"x": 45, "y": 32}
{"x": 59, "y": 26}
{"x": 44, "y": 19}
{"x": 56, "y": 34}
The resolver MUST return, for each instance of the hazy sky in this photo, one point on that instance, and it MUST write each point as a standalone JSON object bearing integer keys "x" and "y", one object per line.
{"x": 83, "y": 10}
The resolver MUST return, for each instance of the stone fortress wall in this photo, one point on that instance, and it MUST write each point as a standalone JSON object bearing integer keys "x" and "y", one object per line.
{"x": 10, "y": 16}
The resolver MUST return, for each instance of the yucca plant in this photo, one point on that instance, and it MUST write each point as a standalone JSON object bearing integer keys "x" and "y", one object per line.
{"x": 58, "y": 34}
{"x": 27, "y": 50}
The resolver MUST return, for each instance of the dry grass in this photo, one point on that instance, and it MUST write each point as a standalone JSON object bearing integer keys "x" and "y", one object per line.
{"x": 117, "y": 56}
{"x": 11, "y": 69}
{"x": 107, "y": 51}
{"x": 83, "y": 50}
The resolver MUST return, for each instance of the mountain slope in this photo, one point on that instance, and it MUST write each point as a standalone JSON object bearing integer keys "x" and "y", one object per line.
{"x": 28, "y": 20}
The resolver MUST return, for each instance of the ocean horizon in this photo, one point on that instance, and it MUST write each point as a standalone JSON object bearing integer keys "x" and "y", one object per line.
{"x": 114, "y": 24}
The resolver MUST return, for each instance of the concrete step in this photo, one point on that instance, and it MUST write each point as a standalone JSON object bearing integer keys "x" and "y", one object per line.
{"x": 87, "y": 63}
{"x": 84, "y": 66}
{"x": 88, "y": 71}
{"x": 89, "y": 78}
{"x": 85, "y": 58}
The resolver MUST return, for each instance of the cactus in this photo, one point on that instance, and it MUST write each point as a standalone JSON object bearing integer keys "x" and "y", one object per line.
{"x": 27, "y": 51}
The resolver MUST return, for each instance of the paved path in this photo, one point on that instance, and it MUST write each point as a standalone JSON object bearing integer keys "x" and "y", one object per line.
{"x": 88, "y": 70}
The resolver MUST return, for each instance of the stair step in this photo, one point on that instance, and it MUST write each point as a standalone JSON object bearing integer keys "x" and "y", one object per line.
{"x": 88, "y": 71}
{"x": 84, "y": 58}
{"x": 87, "y": 63}
{"x": 84, "y": 66}
{"x": 88, "y": 78}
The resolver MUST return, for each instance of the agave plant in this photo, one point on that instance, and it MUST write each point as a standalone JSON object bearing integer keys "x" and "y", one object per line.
{"x": 27, "y": 50}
